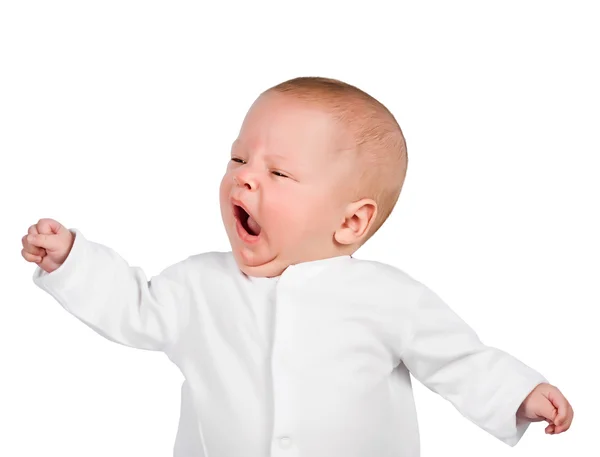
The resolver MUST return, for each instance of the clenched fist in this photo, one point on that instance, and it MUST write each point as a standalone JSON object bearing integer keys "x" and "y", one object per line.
{"x": 547, "y": 403}
{"x": 48, "y": 244}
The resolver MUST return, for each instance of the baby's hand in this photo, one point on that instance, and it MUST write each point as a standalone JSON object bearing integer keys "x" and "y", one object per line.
{"x": 547, "y": 403}
{"x": 48, "y": 244}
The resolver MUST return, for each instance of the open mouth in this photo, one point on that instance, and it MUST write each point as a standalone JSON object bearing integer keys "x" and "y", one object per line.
{"x": 248, "y": 223}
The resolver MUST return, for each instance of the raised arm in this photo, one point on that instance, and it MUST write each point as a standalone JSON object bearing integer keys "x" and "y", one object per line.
{"x": 116, "y": 300}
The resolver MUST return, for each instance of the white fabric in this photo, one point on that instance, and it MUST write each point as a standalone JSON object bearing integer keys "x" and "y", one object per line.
{"x": 313, "y": 363}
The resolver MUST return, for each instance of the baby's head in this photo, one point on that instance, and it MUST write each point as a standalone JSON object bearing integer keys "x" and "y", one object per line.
{"x": 318, "y": 165}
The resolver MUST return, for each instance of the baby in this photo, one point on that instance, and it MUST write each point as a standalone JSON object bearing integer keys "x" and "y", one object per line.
{"x": 289, "y": 345}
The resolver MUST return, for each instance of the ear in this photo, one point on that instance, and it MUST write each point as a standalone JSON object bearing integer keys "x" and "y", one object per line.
{"x": 358, "y": 219}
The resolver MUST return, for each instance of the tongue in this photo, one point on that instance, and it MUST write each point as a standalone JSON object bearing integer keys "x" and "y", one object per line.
{"x": 253, "y": 226}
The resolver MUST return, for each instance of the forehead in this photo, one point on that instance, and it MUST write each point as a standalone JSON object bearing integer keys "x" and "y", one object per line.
{"x": 283, "y": 126}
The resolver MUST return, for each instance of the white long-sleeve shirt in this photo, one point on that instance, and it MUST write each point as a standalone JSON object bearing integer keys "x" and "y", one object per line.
{"x": 313, "y": 363}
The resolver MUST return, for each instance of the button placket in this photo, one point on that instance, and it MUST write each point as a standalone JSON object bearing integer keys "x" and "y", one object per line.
{"x": 282, "y": 377}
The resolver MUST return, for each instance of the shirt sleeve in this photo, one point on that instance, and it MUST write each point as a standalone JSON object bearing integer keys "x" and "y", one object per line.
{"x": 116, "y": 300}
{"x": 486, "y": 385}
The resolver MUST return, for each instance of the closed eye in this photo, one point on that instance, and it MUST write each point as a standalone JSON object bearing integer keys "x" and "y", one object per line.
{"x": 276, "y": 173}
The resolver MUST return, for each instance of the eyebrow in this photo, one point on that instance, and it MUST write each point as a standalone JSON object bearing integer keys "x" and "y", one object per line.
{"x": 277, "y": 156}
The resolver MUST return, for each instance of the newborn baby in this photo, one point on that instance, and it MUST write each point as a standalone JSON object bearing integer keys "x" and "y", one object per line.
{"x": 289, "y": 345}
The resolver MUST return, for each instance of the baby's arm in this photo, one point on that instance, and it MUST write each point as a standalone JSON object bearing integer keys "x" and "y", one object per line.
{"x": 485, "y": 384}
{"x": 116, "y": 300}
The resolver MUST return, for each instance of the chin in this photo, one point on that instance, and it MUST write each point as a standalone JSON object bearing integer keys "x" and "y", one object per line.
{"x": 255, "y": 265}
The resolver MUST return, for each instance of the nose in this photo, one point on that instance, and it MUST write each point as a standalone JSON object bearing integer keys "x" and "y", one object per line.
{"x": 244, "y": 177}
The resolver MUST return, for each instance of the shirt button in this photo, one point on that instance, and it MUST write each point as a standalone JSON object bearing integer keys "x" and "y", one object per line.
{"x": 285, "y": 442}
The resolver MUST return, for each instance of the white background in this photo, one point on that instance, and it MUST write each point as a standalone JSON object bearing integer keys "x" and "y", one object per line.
{"x": 116, "y": 118}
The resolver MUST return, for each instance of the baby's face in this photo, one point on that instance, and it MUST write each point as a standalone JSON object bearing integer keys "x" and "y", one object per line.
{"x": 285, "y": 171}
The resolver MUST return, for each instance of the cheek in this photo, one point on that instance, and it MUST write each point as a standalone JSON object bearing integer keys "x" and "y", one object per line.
{"x": 224, "y": 189}
{"x": 285, "y": 209}
{"x": 297, "y": 214}
{"x": 226, "y": 180}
